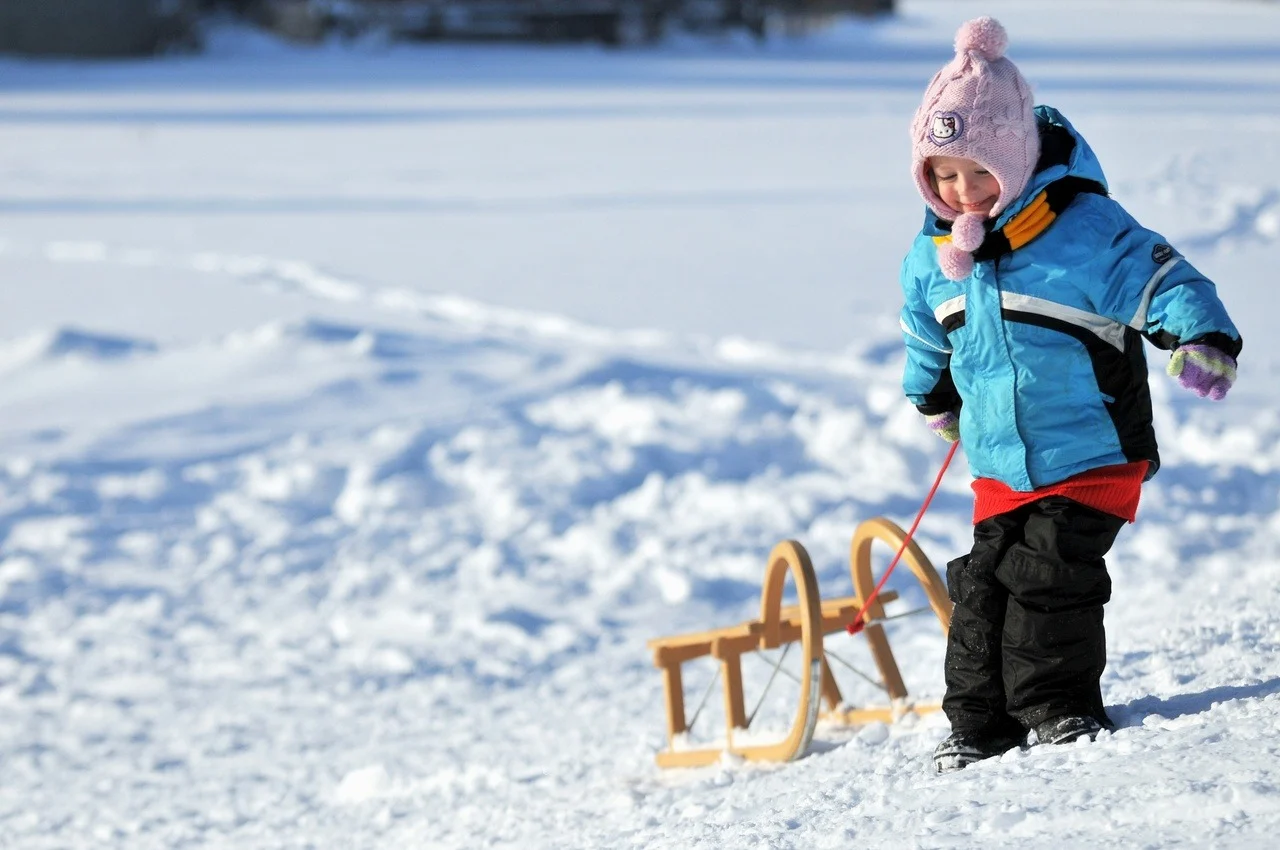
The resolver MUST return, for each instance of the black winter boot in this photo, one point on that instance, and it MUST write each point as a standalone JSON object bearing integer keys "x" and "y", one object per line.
{"x": 1068, "y": 728}
{"x": 961, "y": 749}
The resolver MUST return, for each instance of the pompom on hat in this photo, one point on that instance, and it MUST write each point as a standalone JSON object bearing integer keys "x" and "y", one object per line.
{"x": 977, "y": 107}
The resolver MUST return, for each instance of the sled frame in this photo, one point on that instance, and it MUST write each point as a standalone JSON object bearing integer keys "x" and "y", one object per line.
{"x": 805, "y": 624}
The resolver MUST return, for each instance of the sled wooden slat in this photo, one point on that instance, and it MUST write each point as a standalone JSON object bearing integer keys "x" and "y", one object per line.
{"x": 837, "y": 614}
{"x": 805, "y": 624}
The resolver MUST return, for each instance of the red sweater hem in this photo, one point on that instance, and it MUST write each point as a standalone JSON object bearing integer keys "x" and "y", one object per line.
{"x": 1113, "y": 490}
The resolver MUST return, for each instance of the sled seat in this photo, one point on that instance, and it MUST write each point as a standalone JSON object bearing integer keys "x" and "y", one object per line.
{"x": 837, "y": 615}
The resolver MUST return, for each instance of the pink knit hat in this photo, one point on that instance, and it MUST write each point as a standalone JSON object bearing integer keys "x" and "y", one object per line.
{"x": 977, "y": 107}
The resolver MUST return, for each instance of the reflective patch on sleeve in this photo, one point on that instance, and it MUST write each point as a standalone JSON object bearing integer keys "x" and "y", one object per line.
{"x": 1139, "y": 320}
{"x": 906, "y": 330}
{"x": 948, "y": 308}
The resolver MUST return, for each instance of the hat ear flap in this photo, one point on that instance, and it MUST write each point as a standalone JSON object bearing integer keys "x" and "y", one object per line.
{"x": 927, "y": 186}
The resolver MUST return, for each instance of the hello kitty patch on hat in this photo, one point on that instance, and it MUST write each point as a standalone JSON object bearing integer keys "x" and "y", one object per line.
{"x": 946, "y": 128}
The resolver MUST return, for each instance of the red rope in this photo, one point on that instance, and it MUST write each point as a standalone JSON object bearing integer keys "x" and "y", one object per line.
{"x": 858, "y": 623}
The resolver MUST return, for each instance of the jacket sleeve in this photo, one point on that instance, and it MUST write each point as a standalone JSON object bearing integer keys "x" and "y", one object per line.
{"x": 926, "y": 378}
{"x": 1150, "y": 287}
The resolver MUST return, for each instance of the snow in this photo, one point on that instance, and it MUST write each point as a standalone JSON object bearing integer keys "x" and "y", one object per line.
{"x": 367, "y": 408}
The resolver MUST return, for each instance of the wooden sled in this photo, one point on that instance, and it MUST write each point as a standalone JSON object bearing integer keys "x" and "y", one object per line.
{"x": 805, "y": 624}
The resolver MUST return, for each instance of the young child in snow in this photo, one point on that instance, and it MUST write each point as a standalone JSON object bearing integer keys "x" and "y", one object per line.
{"x": 1027, "y": 296}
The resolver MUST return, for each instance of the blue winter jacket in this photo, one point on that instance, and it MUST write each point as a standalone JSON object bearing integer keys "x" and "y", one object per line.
{"x": 1041, "y": 347}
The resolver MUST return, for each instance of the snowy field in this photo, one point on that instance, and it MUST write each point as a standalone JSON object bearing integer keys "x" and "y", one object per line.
{"x": 365, "y": 409}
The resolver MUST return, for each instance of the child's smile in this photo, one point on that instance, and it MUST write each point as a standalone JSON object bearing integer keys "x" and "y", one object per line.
{"x": 964, "y": 185}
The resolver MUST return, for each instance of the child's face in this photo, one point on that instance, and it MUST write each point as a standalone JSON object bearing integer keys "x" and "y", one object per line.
{"x": 964, "y": 185}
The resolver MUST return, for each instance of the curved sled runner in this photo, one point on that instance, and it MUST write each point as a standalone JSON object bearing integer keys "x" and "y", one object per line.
{"x": 804, "y": 624}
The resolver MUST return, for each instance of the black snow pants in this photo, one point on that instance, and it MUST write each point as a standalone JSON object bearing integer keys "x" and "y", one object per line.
{"x": 1027, "y": 642}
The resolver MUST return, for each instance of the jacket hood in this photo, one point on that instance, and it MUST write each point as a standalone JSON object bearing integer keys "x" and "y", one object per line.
{"x": 1063, "y": 153}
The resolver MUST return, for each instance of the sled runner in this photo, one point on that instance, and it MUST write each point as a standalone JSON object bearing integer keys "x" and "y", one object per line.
{"x": 786, "y": 626}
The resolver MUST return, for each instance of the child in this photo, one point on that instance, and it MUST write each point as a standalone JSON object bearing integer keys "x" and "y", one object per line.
{"x": 1028, "y": 294}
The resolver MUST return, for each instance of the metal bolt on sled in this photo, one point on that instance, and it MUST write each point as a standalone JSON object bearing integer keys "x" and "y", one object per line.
{"x": 784, "y": 627}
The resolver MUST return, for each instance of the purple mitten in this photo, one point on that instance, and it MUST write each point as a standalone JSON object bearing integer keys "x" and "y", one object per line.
{"x": 1204, "y": 370}
{"x": 945, "y": 425}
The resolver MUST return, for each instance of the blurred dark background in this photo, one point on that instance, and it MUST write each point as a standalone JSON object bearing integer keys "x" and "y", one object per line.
{"x": 104, "y": 28}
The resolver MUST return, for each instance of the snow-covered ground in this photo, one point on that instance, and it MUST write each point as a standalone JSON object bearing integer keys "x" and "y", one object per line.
{"x": 365, "y": 409}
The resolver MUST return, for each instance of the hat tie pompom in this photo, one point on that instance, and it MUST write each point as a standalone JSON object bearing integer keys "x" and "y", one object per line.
{"x": 955, "y": 264}
{"x": 967, "y": 233}
{"x": 984, "y": 36}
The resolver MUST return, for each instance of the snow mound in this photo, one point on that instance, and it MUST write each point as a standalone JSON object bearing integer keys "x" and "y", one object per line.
{"x": 68, "y": 343}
